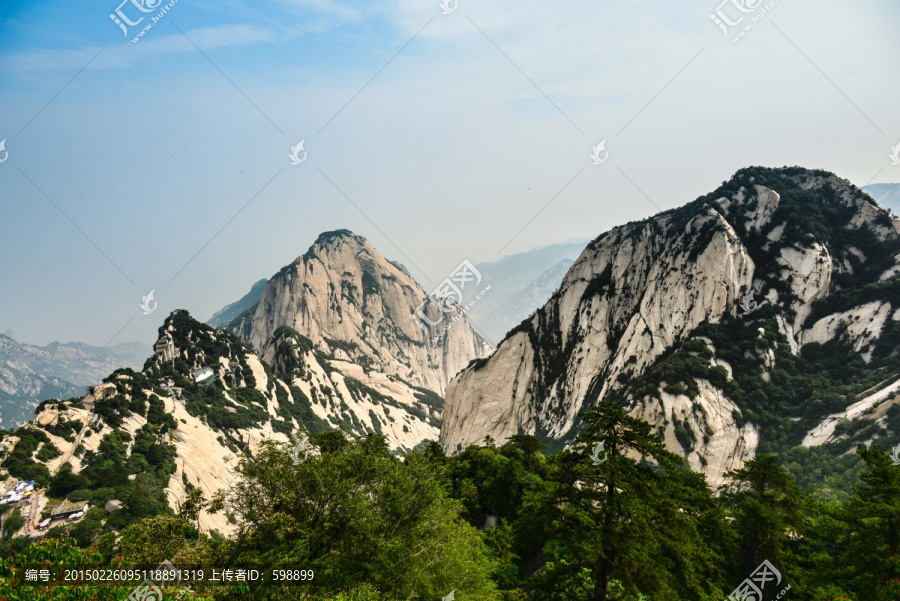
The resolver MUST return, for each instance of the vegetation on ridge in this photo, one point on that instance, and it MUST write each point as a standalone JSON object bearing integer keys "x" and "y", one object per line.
{"x": 628, "y": 522}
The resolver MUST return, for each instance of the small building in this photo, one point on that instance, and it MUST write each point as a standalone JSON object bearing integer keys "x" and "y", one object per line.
{"x": 65, "y": 510}
{"x": 165, "y": 348}
{"x": 105, "y": 390}
{"x": 204, "y": 375}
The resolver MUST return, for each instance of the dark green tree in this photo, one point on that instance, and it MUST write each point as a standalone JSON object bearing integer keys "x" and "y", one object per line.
{"x": 866, "y": 556}
{"x": 356, "y": 515}
{"x": 13, "y": 523}
{"x": 767, "y": 507}
{"x": 627, "y": 519}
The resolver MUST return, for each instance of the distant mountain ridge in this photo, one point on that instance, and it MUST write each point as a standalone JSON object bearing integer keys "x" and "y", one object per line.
{"x": 521, "y": 283}
{"x": 525, "y": 301}
{"x": 228, "y": 313}
{"x": 29, "y": 373}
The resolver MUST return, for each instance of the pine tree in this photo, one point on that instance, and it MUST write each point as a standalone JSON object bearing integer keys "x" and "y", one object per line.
{"x": 627, "y": 518}
{"x": 767, "y": 507}
{"x": 869, "y": 546}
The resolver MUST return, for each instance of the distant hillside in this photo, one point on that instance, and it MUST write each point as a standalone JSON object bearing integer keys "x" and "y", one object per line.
{"x": 228, "y": 313}
{"x": 520, "y": 284}
{"x": 30, "y": 374}
{"x": 522, "y": 304}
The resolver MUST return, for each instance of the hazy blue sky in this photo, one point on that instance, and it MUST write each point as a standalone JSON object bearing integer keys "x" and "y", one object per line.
{"x": 126, "y": 159}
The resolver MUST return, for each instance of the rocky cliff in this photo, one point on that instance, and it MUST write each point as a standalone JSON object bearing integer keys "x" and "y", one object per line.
{"x": 696, "y": 318}
{"x": 353, "y": 303}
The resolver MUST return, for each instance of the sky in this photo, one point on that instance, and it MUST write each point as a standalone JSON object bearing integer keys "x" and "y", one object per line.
{"x": 440, "y": 132}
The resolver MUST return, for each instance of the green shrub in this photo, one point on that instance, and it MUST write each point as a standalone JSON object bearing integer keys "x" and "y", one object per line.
{"x": 48, "y": 451}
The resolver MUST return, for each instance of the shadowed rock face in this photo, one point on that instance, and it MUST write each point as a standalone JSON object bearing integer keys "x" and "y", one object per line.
{"x": 353, "y": 303}
{"x": 641, "y": 289}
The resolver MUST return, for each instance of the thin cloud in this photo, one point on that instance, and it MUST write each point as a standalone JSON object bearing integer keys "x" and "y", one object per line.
{"x": 127, "y": 54}
{"x": 324, "y": 7}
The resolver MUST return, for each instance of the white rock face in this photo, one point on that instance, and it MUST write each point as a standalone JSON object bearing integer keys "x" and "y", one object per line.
{"x": 862, "y": 325}
{"x": 808, "y": 271}
{"x": 346, "y": 297}
{"x": 203, "y": 461}
{"x": 768, "y": 201}
{"x": 351, "y": 398}
{"x": 640, "y": 289}
{"x": 645, "y": 293}
{"x": 503, "y": 403}
{"x": 723, "y": 446}
{"x": 824, "y": 432}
